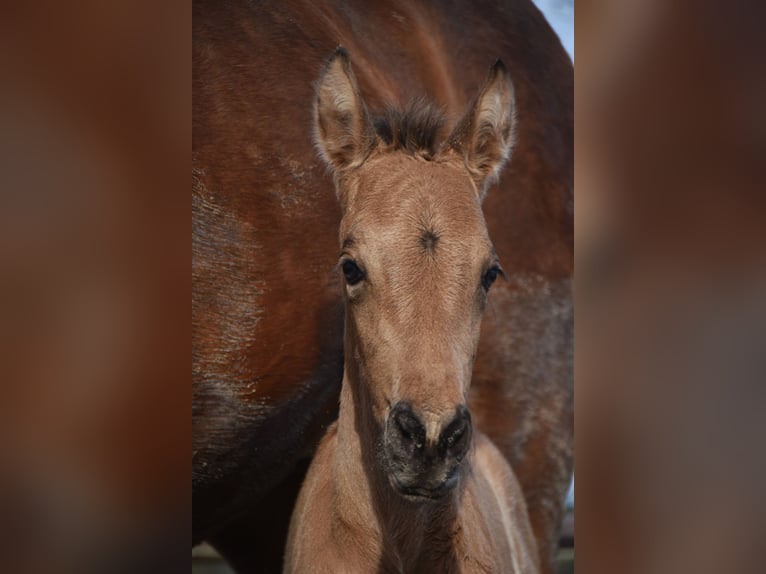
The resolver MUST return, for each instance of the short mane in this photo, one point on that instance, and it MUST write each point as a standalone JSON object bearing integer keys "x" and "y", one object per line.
{"x": 414, "y": 129}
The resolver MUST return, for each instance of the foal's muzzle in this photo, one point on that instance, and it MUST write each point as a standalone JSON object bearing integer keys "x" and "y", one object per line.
{"x": 418, "y": 467}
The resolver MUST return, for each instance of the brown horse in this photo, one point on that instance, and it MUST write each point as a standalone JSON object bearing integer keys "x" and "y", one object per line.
{"x": 267, "y": 307}
{"x": 402, "y": 482}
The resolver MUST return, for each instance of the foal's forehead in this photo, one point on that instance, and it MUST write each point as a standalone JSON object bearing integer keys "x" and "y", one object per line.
{"x": 400, "y": 173}
{"x": 411, "y": 194}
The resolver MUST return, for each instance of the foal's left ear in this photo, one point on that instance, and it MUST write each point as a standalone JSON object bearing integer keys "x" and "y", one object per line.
{"x": 344, "y": 134}
{"x": 484, "y": 137}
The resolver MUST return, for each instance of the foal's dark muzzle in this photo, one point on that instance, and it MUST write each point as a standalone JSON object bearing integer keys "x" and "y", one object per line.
{"x": 418, "y": 467}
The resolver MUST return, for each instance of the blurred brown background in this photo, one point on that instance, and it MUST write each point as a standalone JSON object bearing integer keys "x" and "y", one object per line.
{"x": 94, "y": 287}
{"x": 670, "y": 286}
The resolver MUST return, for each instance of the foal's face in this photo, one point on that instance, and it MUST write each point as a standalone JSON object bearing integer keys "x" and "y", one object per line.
{"x": 417, "y": 264}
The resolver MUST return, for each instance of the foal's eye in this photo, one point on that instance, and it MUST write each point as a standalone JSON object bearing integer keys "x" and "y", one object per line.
{"x": 489, "y": 277}
{"x": 352, "y": 272}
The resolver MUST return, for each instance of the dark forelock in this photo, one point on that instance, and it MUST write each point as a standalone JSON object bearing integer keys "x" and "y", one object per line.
{"x": 414, "y": 129}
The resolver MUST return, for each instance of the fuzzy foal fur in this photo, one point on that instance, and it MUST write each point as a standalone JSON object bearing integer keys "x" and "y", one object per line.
{"x": 420, "y": 491}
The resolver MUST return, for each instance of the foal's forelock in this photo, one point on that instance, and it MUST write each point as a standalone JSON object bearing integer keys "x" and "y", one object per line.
{"x": 414, "y": 129}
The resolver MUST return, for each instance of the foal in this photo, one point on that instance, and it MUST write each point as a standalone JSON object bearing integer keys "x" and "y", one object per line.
{"x": 402, "y": 482}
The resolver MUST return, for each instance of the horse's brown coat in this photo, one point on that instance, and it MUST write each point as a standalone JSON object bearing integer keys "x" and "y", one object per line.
{"x": 266, "y": 307}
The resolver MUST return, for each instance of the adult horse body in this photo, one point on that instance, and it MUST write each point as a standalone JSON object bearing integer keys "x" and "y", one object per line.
{"x": 267, "y": 311}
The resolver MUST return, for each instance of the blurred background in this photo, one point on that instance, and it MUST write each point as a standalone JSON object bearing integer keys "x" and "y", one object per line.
{"x": 94, "y": 287}
{"x": 670, "y": 298}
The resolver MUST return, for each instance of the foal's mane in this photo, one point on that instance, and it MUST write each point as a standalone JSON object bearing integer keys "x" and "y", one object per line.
{"x": 414, "y": 129}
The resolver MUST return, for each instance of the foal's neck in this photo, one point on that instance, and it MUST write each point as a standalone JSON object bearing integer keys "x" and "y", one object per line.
{"x": 365, "y": 501}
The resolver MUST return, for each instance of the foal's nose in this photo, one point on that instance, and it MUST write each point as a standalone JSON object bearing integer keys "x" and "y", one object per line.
{"x": 407, "y": 438}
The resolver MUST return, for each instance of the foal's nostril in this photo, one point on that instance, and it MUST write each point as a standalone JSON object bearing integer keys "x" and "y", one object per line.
{"x": 406, "y": 429}
{"x": 455, "y": 438}
{"x": 456, "y": 434}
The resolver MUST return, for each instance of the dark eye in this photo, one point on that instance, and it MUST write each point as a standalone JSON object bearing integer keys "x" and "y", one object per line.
{"x": 352, "y": 272}
{"x": 489, "y": 277}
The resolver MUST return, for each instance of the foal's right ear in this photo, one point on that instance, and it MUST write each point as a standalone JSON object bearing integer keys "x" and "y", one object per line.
{"x": 484, "y": 137}
{"x": 344, "y": 133}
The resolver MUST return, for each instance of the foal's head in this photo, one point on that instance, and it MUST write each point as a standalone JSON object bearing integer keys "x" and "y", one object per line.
{"x": 417, "y": 263}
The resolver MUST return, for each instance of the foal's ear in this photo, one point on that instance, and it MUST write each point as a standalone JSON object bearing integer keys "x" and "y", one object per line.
{"x": 344, "y": 134}
{"x": 484, "y": 137}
